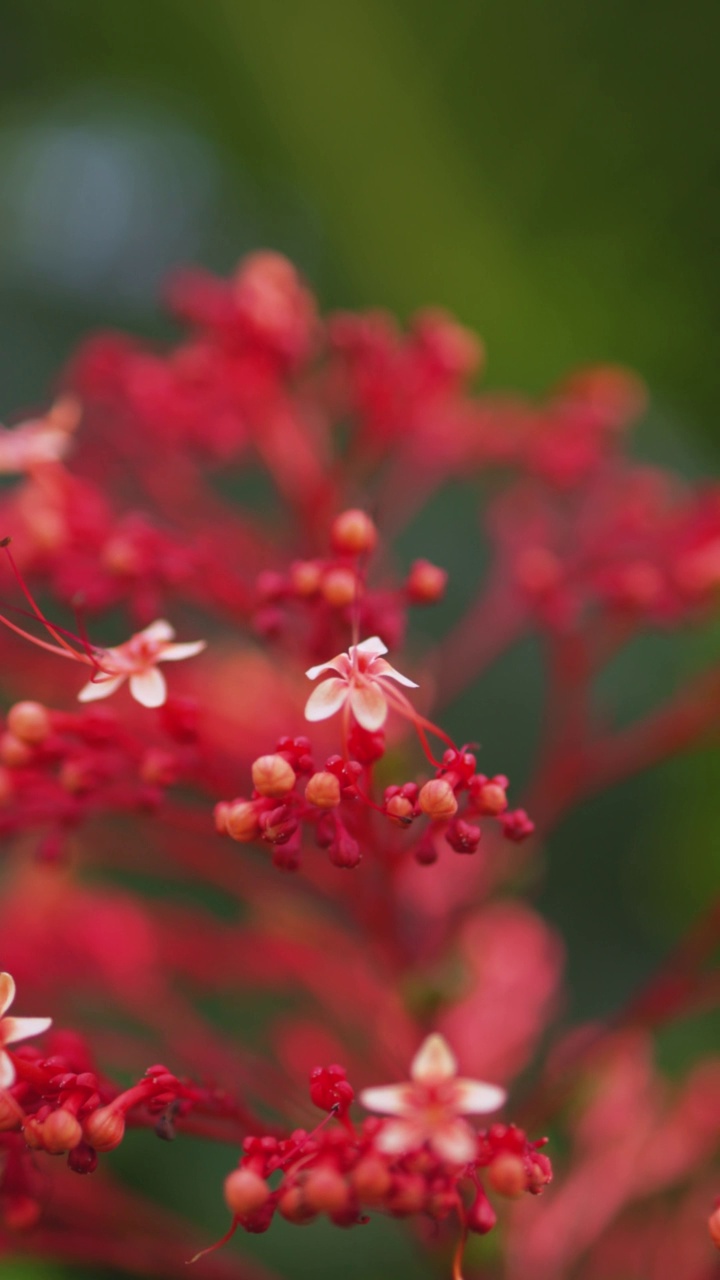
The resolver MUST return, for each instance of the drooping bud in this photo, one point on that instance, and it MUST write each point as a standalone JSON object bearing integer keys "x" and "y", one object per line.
{"x": 481, "y": 1217}
{"x": 353, "y": 533}
{"x": 507, "y": 1176}
{"x": 105, "y": 1129}
{"x": 61, "y": 1131}
{"x": 241, "y": 821}
{"x": 323, "y": 790}
{"x": 437, "y": 800}
{"x": 29, "y": 721}
{"x": 245, "y": 1192}
{"x": 82, "y": 1159}
{"x": 426, "y": 582}
{"x": 339, "y": 587}
{"x": 273, "y": 776}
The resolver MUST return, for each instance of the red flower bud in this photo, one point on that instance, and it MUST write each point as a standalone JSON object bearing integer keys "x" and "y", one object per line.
{"x": 273, "y": 776}
{"x": 245, "y": 1192}
{"x": 105, "y": 1129}
{"x": 60, "y": 1132}
{"x": 426, "y": 582}
{"x": 323, "y": 790}
{"x": 437, "y": 800}
{"x": 353, "y": 533}
{"x": 507, "y": 1176}
{"x": 29, "y": 721}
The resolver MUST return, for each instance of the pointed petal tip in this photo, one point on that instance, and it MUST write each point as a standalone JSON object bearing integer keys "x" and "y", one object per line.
{"x": 7, "y": 991}
{"x": 434, "y": 1061}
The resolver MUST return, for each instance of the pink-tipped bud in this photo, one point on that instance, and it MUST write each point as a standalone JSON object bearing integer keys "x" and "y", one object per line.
{"x": 714, "y": 1227}
{"x": 273, "y": 776}
{"x": 105, "y": 1129}
{"x": 353, "y": 533}
{"x": 507, "y": 1176}
{"x": 488, "y": 797}
{"x": 305, "y": 577}
{"x": 61, "y": 1131}
{"x": 371, "y": 1180}
{"x": 323, "y": 790}
{"x": 426, "y": 582}
{"x": 481, "y": 1217}
{"x": 241, "y": 821}
{"x": 245, "y": 1192}
{"x": 325, "y": 1190}
{"x": 399, "y": 809}
{"x": 339, "y": 587}
{"x": 14, "y": 752}
{"x": 293, "y": 1208}
{"x": 29, "y": 721}
{"x": 437, "y": 800}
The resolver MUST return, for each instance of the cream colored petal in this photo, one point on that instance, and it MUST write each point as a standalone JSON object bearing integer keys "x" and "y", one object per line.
{"x": 96, "y": 689}
{"x": 373, "y": 647}
{"x": 7, "y": 991}
{"x": 177, "y": 652}
{"x": 475, "y": 1098}
{"x": 382, "y": 668}
{"x": 369, "y": 706}
{"x": 326, "y": 698}
{"x": 434, "y": 1061}
{"x": 399, "y": 1136}
{"x": 7, "y": 1071}
{"x": 160, "y": 631}
{"x": 14, "y": 1029}
{"x": 389, "y": 1099}
{"x": 455, "y": 1142}
{"x": 341, "y": 664}
{"x": 149, "y": 687}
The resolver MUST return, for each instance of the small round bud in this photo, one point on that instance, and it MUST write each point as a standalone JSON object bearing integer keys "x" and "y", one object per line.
{"x": 60, "y": 1132}
{"x": 371, "y": 1180}
{"x": 292, "y": 1207}
{"x": 29, "y": 721}
{"x": 353, "y": 533}
{"x": 489, "y": 798}
{"x": 82, "y": 1159}
{"x": 426, "y": 582}
{"x": 241, "y": 822}
{"x": 105, "y": 1129}
{"x": 245, "y": 1192}
{"x": 714, "y": 1227}
{"x": 273, "y": 776}
{"x": 14, "y": 752}
{"x": 507, "y": 1176}
{"x": 481, "y": 1216}
{"x": 305, "y": 577}
{"x": 339, "y": 587}
{"x": 325, "y": 1190}
{"x": 399, "y": 809}
{"x": 323, "y": 790}
{"x": 437, "y": 800}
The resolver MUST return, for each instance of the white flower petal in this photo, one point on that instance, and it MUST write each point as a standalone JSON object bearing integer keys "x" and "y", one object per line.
{"x": 475, "y": 1098}
{"x": 399, "y": 1136}
{"x": 7, "y": 991}
{"x": 7, "y": 1071}
{"x": 149, "y": 687}
{"x": 176, "y": 652}
{"x": 326, "y": 698}
{"x": 389, "y": 1099}
{"x": 160, "y": 631}
{"x": 341, "y": 664}
{"x": 455, "y": 1142}
{"x": 434, "y": 1061}
{"x": 13, "y": 1029}
{"x": 382, "y": 668}
{"x": 369, "y": 706}
{"x": 96, "y": 689}
{"x": 372, "y": 647}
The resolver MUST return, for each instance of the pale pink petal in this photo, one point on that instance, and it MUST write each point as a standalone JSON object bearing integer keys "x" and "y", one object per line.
{"x": 7, "y": 1071}
{"x": 327, "y": 698}
{"x": 176, "y": 652}
{"x": 149, "y": 687}
{"x": 160, "y": 631}
{"x": 7, "y": 991}
{"x": 341, "y": 664}
{"x": 455, "y": 1142}
{"x": 434, "y": 1061}
{"x": 398, "y": 1136}
{"x": 382, "y": 668}
{"x": 371, "y": 648}
{"x": 369, "y": 706}
{"x": 22, "y": 1028}
{"x": 96, "y": 689}
{"x": 475, "y": 1098}
{"x": 389, "y": 1099}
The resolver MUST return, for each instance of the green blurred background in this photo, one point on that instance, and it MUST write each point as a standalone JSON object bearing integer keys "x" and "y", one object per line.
{"x": 548, "y": 169}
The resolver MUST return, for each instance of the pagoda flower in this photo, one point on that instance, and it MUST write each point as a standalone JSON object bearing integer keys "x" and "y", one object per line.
{"x": 136, "y": 660}
{"x": 360, "y": 683}
{"x": 13, "y": 1029}
{"x": 39, "y": 440}
{"x": 430, "y": 1105}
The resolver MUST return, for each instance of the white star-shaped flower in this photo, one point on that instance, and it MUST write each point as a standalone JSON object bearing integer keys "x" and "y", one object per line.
{"x": 361, "y": 680}
{"x": 12, "y": 1029}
